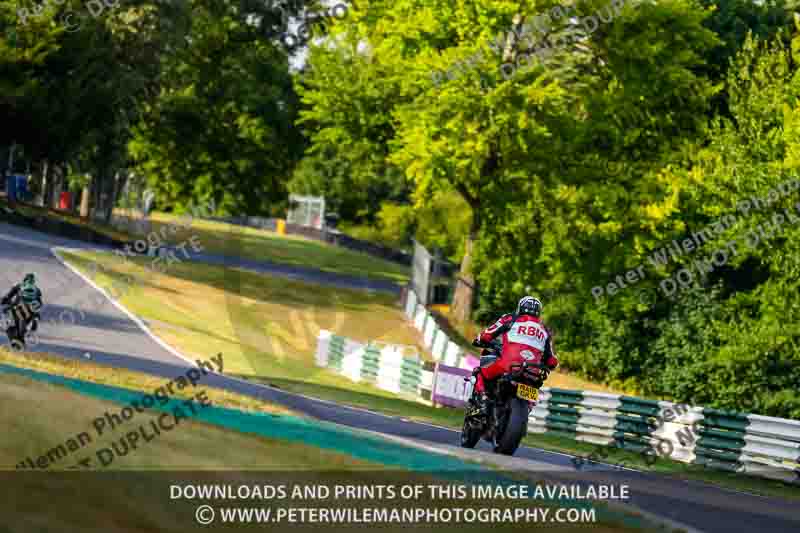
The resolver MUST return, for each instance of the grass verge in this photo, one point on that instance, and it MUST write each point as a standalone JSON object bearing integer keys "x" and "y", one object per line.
{"x": 262, "y": 245}
{"x": 204, "y": 329}
{"x": 129, "y": 379}
{"x": 265, "y": 326}
{"x": 40, "y": 416}
{"x": 32, "y": 211}
{"x": 238, "y": 241}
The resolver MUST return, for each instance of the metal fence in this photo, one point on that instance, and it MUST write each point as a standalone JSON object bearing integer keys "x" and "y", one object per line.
{"x": 306, "y": 211}
{"x": 421, "y": 272}
{"x": 744, "y": 443}
{"x": 752, "y": 444}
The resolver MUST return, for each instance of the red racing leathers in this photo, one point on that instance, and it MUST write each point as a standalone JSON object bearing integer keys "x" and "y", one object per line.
{"x": 525, "y": 334}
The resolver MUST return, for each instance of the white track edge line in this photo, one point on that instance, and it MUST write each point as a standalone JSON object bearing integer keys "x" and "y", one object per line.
{"x": 136, "y": 320}
{"x": 487, "y": 462}
{"x": 148, "y": 332}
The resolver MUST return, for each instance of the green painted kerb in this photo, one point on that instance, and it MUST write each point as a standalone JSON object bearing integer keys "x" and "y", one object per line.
{"x": 325, "y": 435}
{"x": 315, "y": 433}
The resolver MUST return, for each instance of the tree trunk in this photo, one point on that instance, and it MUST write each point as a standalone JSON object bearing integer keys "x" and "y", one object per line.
{"x": 10, "y": 169}
{"x": 465, "y": 284}
{"x": 111, "y": 197}
{"x": 46, "y": 184}
{"x": 85, "y": 196}
{"x": 97, "y": 193}
{"x": 121, "y": 185}
{"x": 58, "y": 186}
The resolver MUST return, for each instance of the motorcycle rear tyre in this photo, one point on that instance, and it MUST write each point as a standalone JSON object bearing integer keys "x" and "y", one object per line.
{"x": 516, "y": 428}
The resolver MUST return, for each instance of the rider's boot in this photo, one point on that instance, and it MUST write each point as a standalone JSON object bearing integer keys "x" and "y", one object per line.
{"x": 480, "y": 404}
{"x": 485, "y": 404}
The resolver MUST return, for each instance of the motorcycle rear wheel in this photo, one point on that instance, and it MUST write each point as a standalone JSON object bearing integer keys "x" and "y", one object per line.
{"x": 516, "y": 427}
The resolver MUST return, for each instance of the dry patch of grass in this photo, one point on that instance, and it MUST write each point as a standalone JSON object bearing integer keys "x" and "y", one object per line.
{"x": 259, "y": 244}
{"x": 265, "y": 326}
{"x": 38, "y": 417}
{"x": 128, "y": 379}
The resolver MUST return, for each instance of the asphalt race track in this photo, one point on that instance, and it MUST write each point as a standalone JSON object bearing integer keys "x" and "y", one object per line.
{"x": 76, "y": 320}
{"x": 113, "y": 338}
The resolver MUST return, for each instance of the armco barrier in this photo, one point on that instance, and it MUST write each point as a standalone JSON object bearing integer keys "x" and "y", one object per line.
{"x": 760, "y": 445}
{"x": 434, "y": 338}
{"x": 386, "y": 366}
{"x": 752, "y": 444}
{"x": 55, "y": 226}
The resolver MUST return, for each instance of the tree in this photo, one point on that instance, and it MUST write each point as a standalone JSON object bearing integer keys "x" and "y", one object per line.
{"x": 348, "y": 96}
{"x": 373, "y": 102}
{"x": 76, "y": 93}
{"x": 222, "y": 126}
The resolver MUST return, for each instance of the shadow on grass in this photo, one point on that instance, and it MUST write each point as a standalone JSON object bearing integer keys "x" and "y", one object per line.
{"x": 249, "y": 243}
{"x": 240, "y": 285}
{"x": 124, "y": 282}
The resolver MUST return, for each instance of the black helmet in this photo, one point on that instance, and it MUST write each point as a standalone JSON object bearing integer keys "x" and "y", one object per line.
{"x": 29, "y": 278}
{"x": 529, "y": 306}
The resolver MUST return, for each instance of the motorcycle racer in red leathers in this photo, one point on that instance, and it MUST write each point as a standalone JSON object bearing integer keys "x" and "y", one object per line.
{"x": 523, "y": 335}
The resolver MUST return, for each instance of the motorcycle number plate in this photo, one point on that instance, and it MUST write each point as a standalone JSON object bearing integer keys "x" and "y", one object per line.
{"x": 526, "y": 392}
